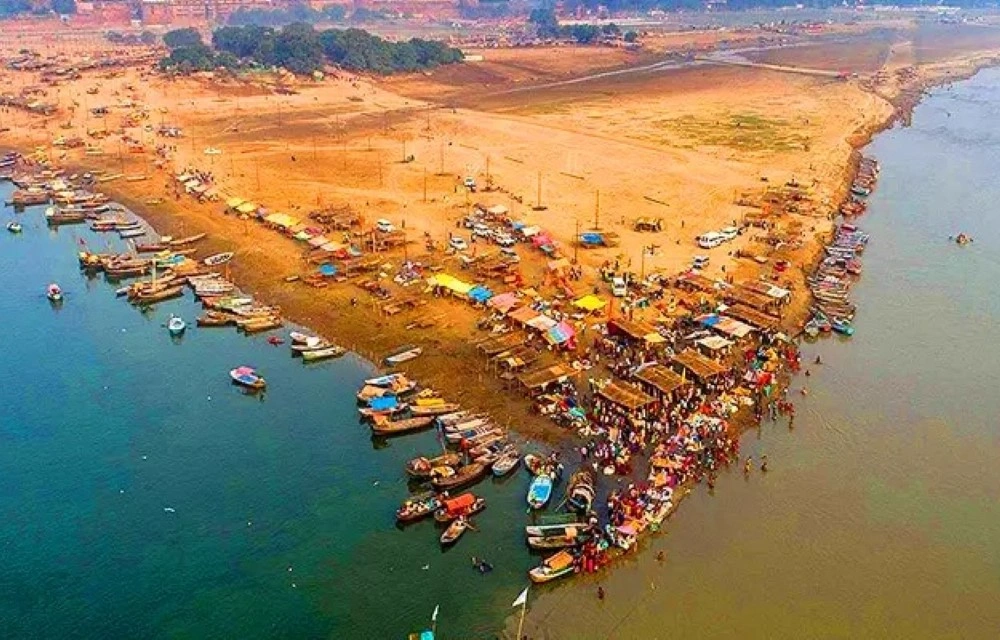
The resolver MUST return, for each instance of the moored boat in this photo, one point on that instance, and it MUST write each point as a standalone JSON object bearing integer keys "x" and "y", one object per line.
{"x": 423, "y": 467}
{"x": 556, "y": 566}
{"x": 403, "y": 354}
{"x": 316, "y": 355}
{"x": 14, "y": 227}
{"x": 580, "y": 491}
{"x": 418, "y": 506}
{"x": 507, "y": 462}
{"x": 176, "y": 325}
{"x": 385, "y": 427}
{"x": 219, "y": 258}
{"x": 462, "y": 476}
{"x": 54, "y": 293}
{"x": 555, "y": 542}
{"x": 434, "y": 409}
{"x": 540, "y": 491}
{"x": 461, "y": 506}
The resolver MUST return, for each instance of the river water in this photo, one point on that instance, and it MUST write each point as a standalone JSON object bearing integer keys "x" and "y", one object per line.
{"x": 880, "y": 515}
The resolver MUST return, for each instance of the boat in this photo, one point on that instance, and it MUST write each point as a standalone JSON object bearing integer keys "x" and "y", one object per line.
{"x": 507, "y": 462}
{"x": 540, "y": 491}
{"x": 537, "y": 465}
{"x": 452, "y": 418}
{"x": 471, "y": 434}
{"x": 580, "y": 492}
{"x": 215, "y": 319}
{"x": 454, "y": 531}
{"x": 14, "y": 227}
{"x": 462, "y": 476}
{"x": 434, "y": 409}
{"x": 314, "y": 343}
{"x": 555, "y": 542}
{"x": 556, "y": 566}
{"x": 247, "y": 377}
{"x": 54, "y": 293}
{"x": 404, "y": 354}
{"x": 176, "y": 325}
{"x": 158, "y": 296}
{"x": 461, "y": 506}
{"x": 131, "y": 233}
{"x": 555, "y": 529}
{"x": 423, "y": 467}
{"x": 323, "y": 354}
{"x": 219, "y": 258}
{"x": 180, "y": 242}
{"x": 842, "y": 327}
{"x": 418, "y": 506}
{"x": 385, "y": 427}
{"x": 386, "y": 380}
{"x": 298, "y": 337}
{"x": 257, "y": 325}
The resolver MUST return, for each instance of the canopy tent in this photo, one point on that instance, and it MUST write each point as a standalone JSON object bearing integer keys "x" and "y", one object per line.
{"x": 246, "y": 207}
{"x": 327, "y": 269}
{"x": 701, "y": 367}
{"x": 660, "y": 378}
{"x": 541, "y": 322}
{"x": 505, "y": 342}
{"x": 233, "y": 203}
{"x": 725, "y": 325}
{"x": 635, "y": 329}
{"x": 625, "y": 396}
{"x": 753, "y": 316}
{"x": 480, "y": 294}
{"x": 715, "y": 343}
{"x": 589, "y": 302}
{"x": 523, "y": 315}
{"x": 497, "y": 210}
{"x": 561, "y": 333}
{"x": 451, "y": 283}
{"x": 318, "y": 241}
{"x": 558, "y": 264}
{"x": 384, "y": 403}
{"x": 505, "y": 301}
{"x": 547, "y": 375}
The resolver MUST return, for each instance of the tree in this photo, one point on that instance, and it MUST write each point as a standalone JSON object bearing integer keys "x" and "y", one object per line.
{"x": 610, "y": 29}
{"x": 297, "y": 48}
{"x": 147, "y": 37}
{"x": 630, "y": 36}
{"x": 545, "y": 21}
{"x": 183, "y": 38}
{"x": 64, "y": 7}
{"x": 585, "y": 33}
{"x": 13, "y": 7}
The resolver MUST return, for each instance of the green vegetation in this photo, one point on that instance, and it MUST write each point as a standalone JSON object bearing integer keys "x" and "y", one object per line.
{"x": 547, "y": 26}
{"x": 301, "y": 49}
{"x": 298, "y": 12}
{"x": 742, "y": 131}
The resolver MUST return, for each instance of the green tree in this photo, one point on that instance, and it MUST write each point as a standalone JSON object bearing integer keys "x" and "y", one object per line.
{"x": 147, "y": 37}
{"x": 545, "y": 21}
{"x": 297, "y": 48}
{"x": 585, "y": 33}
{"x": 630, "y": 36}
{"x": 189, "y": 37}
{"x": 13, "y": 7}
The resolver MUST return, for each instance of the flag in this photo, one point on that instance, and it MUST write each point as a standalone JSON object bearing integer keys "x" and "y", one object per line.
{"x": 521, "y": 599}
{"x": 434, "y": 616}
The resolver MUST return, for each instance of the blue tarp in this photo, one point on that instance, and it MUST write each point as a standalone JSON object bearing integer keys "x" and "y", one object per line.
{"x": 327, "y": 270}
{"x": 384, "y": 403}
{"x": 709, "y": 320}
{"x": 591, "y": 238}
{"x": 479, "y": 293}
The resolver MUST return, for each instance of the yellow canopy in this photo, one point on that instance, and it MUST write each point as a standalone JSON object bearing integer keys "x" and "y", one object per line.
{"x": 450, "y": 282}
{"x": 232, "y": 203}
{"x": 246, "y": 207}
{"x": 589, "y": 302}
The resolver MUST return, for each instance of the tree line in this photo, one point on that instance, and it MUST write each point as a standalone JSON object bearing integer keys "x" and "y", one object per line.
{"x": 547, "y": 26}
{"x": 301, "y": 49}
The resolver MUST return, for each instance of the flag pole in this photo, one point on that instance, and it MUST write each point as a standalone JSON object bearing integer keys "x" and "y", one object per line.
{"x": 520, "y": 622}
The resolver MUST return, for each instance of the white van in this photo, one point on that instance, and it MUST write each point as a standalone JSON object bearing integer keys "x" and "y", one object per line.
{"x": 384, "y": 225}
{"x": 710, "y": 240}
{"x": 618, "y": 287}
{"x": 729, "y": 233}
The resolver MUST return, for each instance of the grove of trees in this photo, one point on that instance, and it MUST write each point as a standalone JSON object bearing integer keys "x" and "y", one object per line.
{"x": 301, "y": 49}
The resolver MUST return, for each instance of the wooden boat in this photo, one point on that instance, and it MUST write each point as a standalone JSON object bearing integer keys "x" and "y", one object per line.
{"x": 159, "y": 296}
{"x": 418, "y": 506}
{"x": 454, "y": 531}
{"x": 323, "y": 354}
{"x": 461, "y": 506}
{"x": 259, "y": 325}
{"x": 152, "y": 247}
{"x": 180, "y": 242}
{"x": 452, "y": 418}
{"x": 54, "y": 293}
{"x": 423, "y": 467}
{"x": 403, "y": 354}
{"x": 131, "y": 233}
{"x": 555, "y": 528}
{"x": 219, "y": 258}
{"x": 469, "y": 434}
{"x": 298, "y": 337}
{"x": 247, "y": 377}
{"x": 555, "y": 542}
{"x": 434, "y": 409}
{"x": 388, "y": 428}
{"x": 580, "y": 491}
{"x": 462, "y": 476}
{"x": 540, "y": 491}
{"x": 471, "y": 422}
{"x": 56, "y": 219}
{"x": 842, "y": 327}
{"x": 176, "y": 326}
{"x": 538, "y": 465}
{"x": 561, "y": 564}
{"x": 386, "y": 380}
{"x": 314, "y": 343}
{"x": 506, "y": 463}
{"x": 215, "y": 319}
{"x": 14, "y": 227}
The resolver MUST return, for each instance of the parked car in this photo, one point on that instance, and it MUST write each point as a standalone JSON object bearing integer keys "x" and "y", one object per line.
{"x": 470, "y": 183}
{"x": 618, "y": 287}
{"x": 510, "y": 254}
{"x": 504, "y": 240}
{"x": 700, "y": 262}
{"x": 384, "y": 225}
{"x": 482, "y": 231}
{"x": 458, "y": 244}
{"x": 729, "y": 233}
{"x": 710, "y": 240}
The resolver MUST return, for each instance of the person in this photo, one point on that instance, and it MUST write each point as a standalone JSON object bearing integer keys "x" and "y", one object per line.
{"x": 763, "y": 463}
{"x": 659, "y": 556}
{"x": 600, "y": 593}
{"x": 747, "y": 465}
{"x": 819, "y": 360}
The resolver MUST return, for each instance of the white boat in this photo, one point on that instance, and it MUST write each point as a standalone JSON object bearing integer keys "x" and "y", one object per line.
{"x": 219, "y": 258}
{"x": 131, "y": 233}
{"x": 404, "y": 356}
{"x": 176, "y": 326}
{"x": 54, "y": 293}
{"x": 14, "y": 227}
{"x": 299, "y": 338}
{"x": 323, "y": 354}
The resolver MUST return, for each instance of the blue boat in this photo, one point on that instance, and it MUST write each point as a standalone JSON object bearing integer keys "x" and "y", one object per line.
{"x": 540, "y": 491}
{"x": 842, "y": 327}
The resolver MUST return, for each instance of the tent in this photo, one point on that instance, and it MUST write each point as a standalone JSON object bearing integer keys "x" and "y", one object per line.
{"x": 504, "y": 302}
{"x": 327, "y": 270}
{"x": 561, "y": 333}
{"x": 233, "y": 203}
{"x": 451, "y": 283}
{"x": 541, "y": 322}
{"x": 589, "y": 302}
{"x": 523, "y": 315}
{"x": 480, "y": 294}
{"x": 246, "y": 207}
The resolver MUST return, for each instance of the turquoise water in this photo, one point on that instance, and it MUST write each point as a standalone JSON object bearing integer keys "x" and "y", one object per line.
{"x": 283, "y": 522}
{"x": 880, "y": 515}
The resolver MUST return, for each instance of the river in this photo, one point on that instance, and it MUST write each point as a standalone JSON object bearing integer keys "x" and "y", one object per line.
{"x": 880, "y": 515}
{"x": 141, "y": 495}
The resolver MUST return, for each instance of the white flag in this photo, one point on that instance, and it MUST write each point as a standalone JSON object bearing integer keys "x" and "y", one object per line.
{"x": 434, "y": 616}
{"x": 521, "y": 599}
